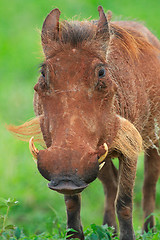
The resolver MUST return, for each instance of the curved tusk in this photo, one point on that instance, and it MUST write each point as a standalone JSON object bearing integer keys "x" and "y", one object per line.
{"x": 101, "y": 159}
{"x": 101, "y": 165}
{"x": 34, "y": 151}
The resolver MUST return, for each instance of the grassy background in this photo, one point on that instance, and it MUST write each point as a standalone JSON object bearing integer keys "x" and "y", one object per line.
{"x": 20, "y": 55}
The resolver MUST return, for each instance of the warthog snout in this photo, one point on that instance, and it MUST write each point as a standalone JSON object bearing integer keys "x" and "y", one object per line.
{"x": 68, "y": 170}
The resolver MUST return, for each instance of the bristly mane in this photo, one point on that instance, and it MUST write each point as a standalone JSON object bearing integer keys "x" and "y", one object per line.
{"x": 83, "y": 35}
{"x": 76, "y": 33}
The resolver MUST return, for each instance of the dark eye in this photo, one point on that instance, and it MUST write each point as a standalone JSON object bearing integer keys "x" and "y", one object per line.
{"x": 101, "y": 73}
{"x": 43, "y": 73}
{"x": 44, "y": 78}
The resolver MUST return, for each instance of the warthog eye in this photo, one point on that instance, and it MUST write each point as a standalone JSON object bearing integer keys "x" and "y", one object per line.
{"x": 42, "y": 67}
{"x": 102, "y": 73}
{"x": 101, "y": 84}
{"x": 44, "y": 78}
{"x": 43, "y": 73}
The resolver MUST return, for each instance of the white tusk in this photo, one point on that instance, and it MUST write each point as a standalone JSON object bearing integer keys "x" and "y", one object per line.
{"x": 34, "y": 151}
{"x": 101, "y": 159}
{"x": 101, "y": 165}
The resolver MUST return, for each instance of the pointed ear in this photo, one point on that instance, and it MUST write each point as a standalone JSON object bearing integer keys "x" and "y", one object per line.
{"x": 50, "y": 29}
{"x": 103, "y": 26}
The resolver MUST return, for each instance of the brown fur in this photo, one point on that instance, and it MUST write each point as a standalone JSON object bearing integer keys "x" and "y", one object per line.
{"x": 100, "y": 83}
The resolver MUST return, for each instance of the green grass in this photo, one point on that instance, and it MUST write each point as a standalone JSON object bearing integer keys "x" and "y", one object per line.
{"x": 20, "y": 55}
{"x": 55, "y": 229}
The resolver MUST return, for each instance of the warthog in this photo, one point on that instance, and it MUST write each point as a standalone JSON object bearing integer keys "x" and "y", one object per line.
{"x": 98, "y": 97}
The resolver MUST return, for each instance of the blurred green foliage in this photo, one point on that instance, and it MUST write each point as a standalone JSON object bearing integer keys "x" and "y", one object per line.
{"x": 20, "y": 56}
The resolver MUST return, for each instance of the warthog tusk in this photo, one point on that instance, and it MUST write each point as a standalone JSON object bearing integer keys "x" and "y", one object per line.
{"x": 101, "y": 165}
{"x": 34, "y": 151}
{"x": 101, "y": 159}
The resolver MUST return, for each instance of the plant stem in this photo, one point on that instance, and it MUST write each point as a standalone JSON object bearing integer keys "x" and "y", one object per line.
{"x": 4, "y": 221}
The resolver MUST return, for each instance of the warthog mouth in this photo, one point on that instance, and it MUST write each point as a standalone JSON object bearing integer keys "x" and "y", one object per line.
{"x": 67, "y": 186}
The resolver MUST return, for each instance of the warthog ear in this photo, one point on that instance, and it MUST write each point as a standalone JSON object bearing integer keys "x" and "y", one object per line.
{"x": 50, "y": 29}
{"x": 103, "y": 26}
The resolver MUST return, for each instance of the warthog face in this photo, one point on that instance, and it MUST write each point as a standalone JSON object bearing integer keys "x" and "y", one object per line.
{"x": 75, "y": 93}
{"x": 75, "y": 97}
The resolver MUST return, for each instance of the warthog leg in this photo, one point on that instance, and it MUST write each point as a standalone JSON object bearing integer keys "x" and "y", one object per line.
{"x": 151, "y": 174}
{"x": 109, "y": 178}
{"x": 127, "y": 172}
{"x": 73, "y": 205}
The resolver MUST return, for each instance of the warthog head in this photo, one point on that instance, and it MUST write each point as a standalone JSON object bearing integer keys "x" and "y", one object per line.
{"x": 76, "y": 95}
